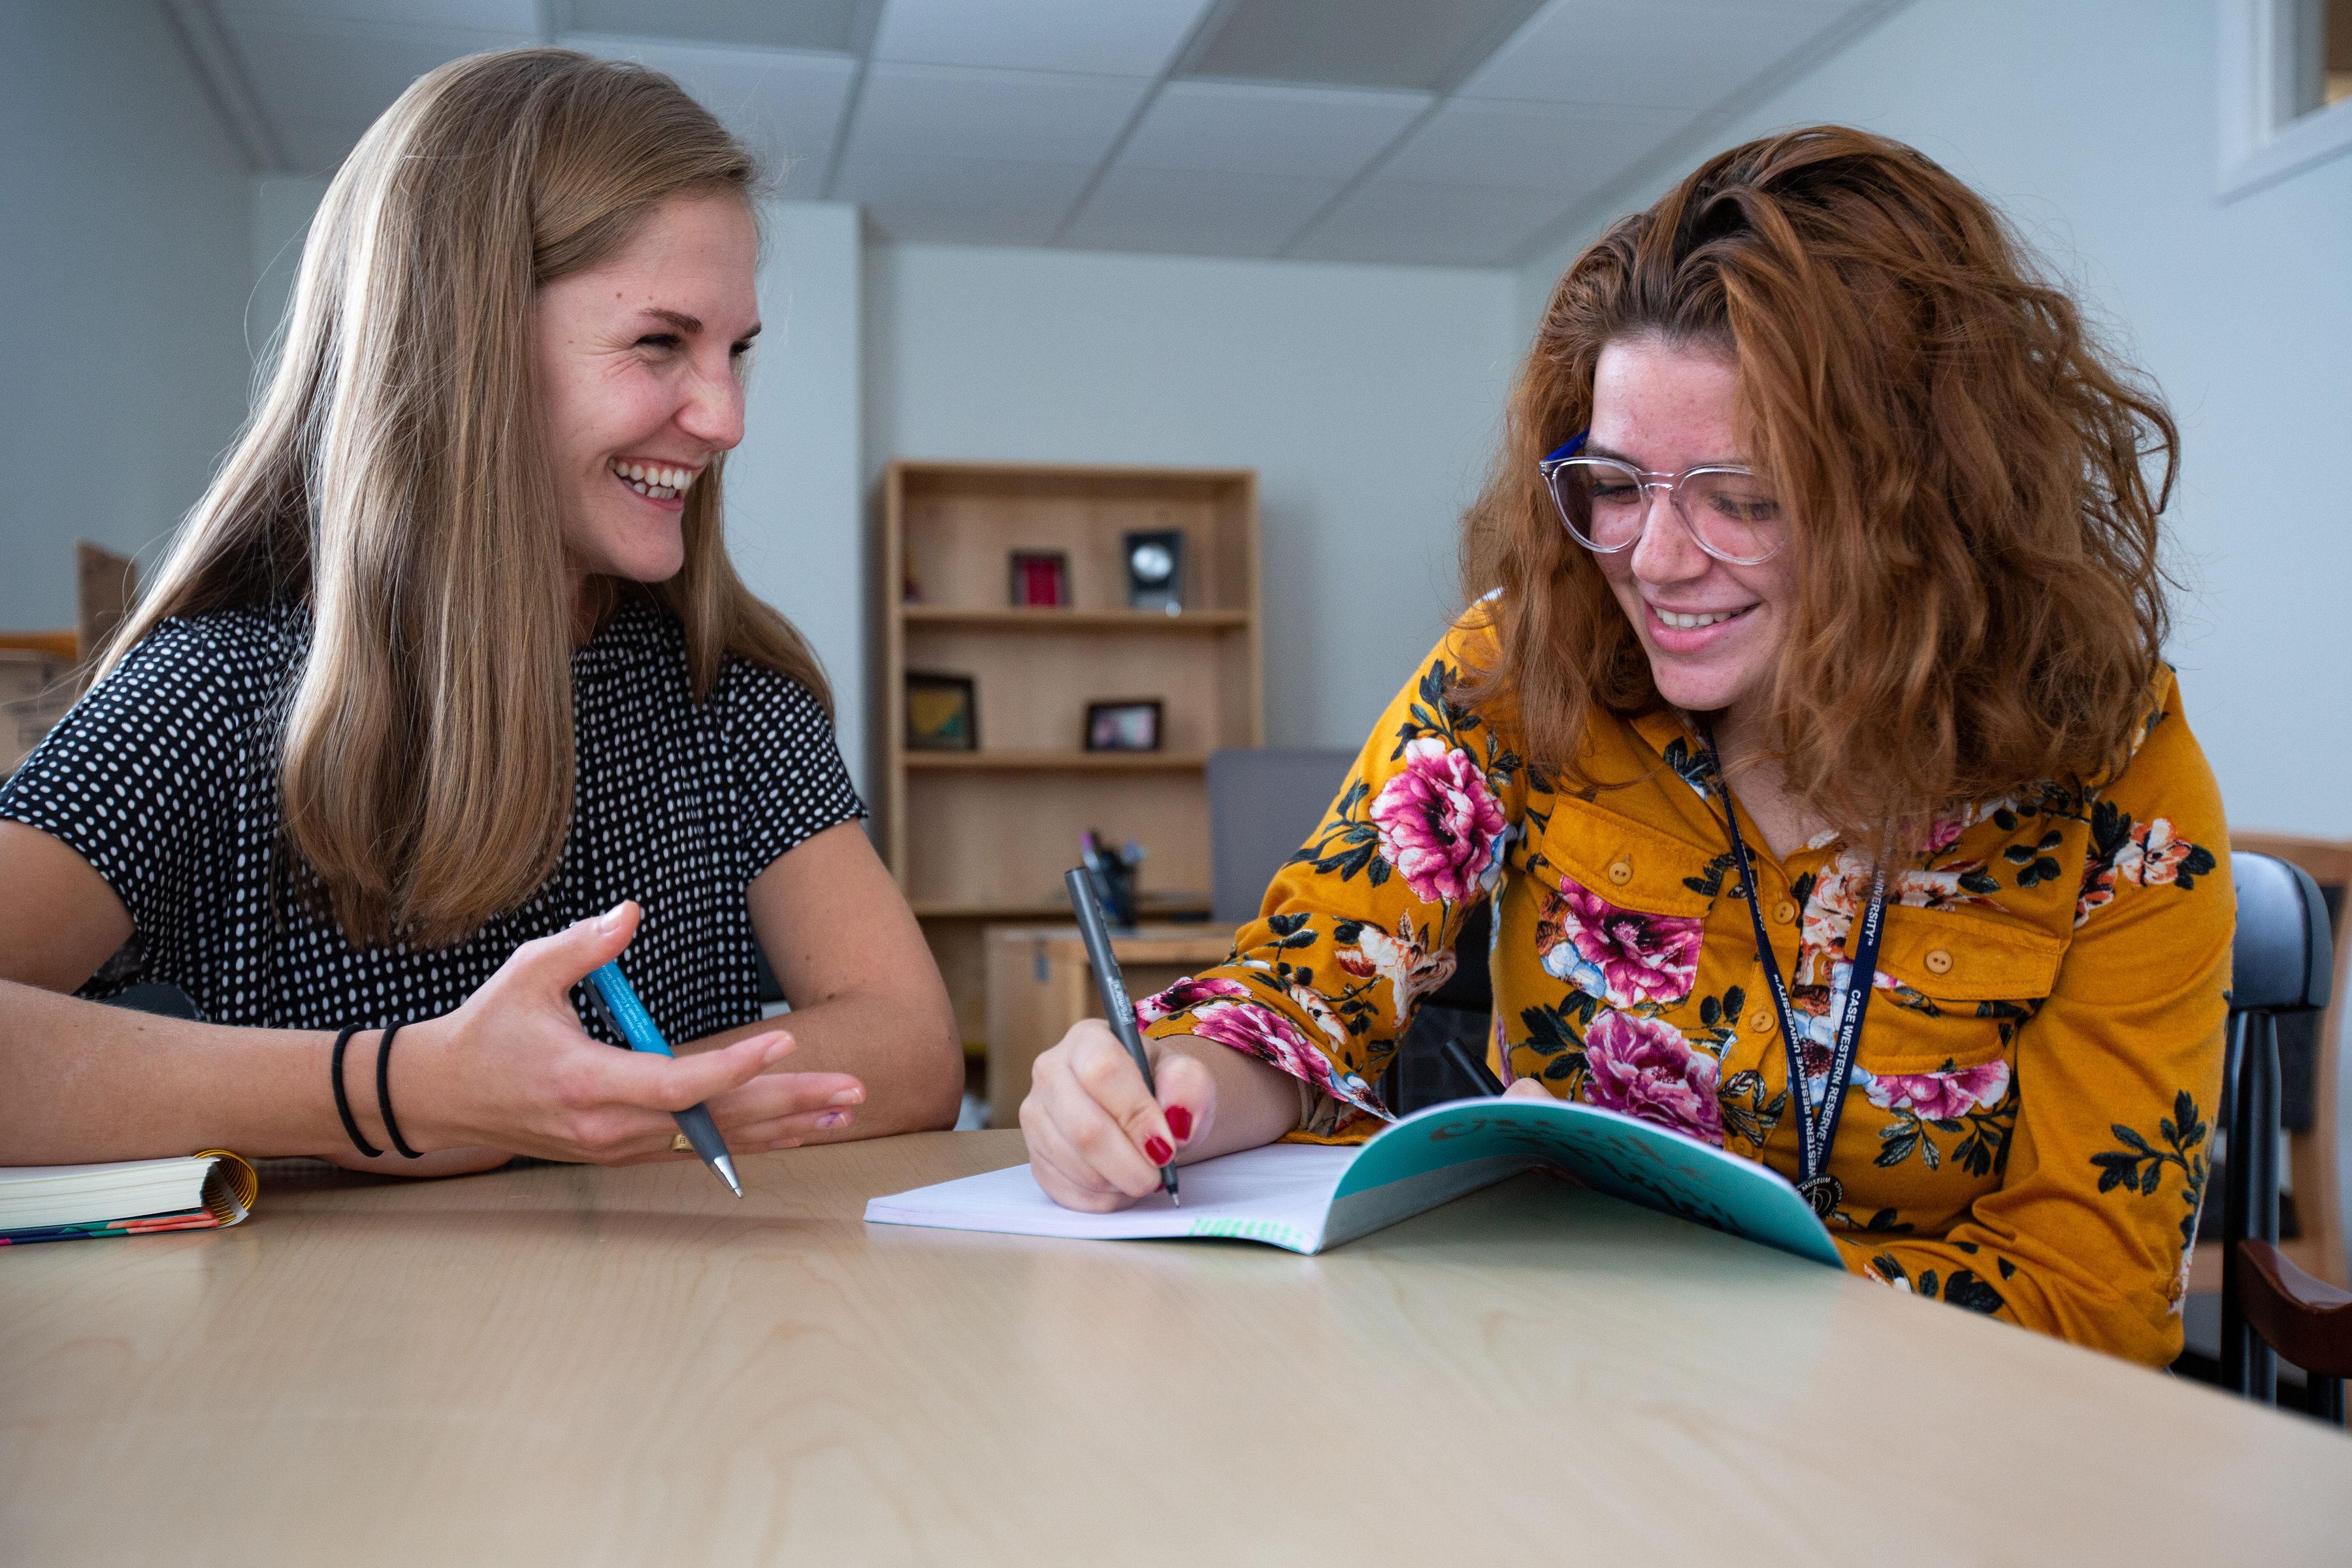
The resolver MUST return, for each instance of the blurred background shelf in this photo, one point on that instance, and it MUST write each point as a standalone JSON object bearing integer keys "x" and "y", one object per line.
{"x": 1046, "y": 762}
{"x": 982, "y": 837}
{"x": 1198, "y": 622}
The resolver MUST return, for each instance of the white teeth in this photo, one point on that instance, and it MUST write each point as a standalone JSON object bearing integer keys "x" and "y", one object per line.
{"x": 1691, "y": 623}
{"x": 656, "y": 480}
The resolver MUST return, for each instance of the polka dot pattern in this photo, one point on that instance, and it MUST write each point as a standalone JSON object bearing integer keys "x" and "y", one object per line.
{"x": 164, "y": 778}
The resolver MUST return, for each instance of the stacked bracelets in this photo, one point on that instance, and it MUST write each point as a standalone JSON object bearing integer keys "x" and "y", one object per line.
{"x": 382, "y": 1090}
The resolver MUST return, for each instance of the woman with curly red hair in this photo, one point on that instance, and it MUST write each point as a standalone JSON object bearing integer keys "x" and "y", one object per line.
{"x": 1809, "y": 735}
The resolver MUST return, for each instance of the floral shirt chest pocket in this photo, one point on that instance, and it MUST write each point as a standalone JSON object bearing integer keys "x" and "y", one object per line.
{"x": 1936, "y": 1075}
{"x": 1620, "y": 911}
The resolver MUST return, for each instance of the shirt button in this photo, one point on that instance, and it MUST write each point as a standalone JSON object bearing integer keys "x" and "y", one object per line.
{"x": 1620, "y": 870}
{"x": 1938, "y": 962}
{"x": 1785, "y": 912}
{"x": 1759, "y": 1021}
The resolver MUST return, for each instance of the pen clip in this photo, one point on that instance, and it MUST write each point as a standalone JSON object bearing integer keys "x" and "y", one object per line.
{"x": 596, "y": 1002}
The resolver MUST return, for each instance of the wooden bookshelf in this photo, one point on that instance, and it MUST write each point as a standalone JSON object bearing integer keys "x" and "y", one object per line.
{"x": 982, "y": 837}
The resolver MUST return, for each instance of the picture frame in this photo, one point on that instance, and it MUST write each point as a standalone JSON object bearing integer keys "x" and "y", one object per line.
{"x": 1130, "y": 724}
{"x": 942, "y": 713}
{"x": 1039, "y": 580}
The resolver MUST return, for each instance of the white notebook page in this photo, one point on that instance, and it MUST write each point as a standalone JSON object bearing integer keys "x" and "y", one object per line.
{"x": 1279, "y": 1193}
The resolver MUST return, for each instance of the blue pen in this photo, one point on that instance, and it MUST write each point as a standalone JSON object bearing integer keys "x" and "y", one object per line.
{"x": 617, "y": 1000}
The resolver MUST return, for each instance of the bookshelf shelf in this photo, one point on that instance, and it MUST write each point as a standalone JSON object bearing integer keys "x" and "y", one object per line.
{"x": 1048, "y": 761}
{"x": 983, "y": 837}
{"x": 1207, "y": 623}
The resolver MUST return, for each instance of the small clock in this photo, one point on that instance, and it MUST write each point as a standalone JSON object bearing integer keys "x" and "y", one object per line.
{"x": 1155, "y": 571}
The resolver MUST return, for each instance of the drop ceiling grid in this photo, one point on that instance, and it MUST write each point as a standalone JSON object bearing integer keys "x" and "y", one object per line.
{"x": 1073, "y": 122}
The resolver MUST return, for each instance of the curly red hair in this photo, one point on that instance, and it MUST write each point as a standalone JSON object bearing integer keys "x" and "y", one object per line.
{"x": 1979, "y": 603}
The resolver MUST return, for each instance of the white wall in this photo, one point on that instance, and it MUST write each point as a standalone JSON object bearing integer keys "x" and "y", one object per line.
{"x": 794, "y": 498}
{"x": 2094, "y": 123}
{"x": 122, "y": 282}
{"x": 1368, "y": 398}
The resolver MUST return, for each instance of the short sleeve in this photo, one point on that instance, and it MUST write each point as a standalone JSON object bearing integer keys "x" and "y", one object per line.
{"x": 790, "y": 781}
{"x": 140, "y": 777}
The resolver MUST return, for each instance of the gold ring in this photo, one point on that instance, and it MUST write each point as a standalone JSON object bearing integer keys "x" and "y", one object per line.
{"x": 681, "y": 1144}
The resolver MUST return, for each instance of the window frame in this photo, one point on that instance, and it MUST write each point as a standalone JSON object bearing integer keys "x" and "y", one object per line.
{"x": 2262, "y": 139}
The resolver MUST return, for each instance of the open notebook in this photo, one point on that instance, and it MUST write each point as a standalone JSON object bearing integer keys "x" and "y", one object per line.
{"x": 1308, "y": 1197}
{"x": 126, "y": 1197}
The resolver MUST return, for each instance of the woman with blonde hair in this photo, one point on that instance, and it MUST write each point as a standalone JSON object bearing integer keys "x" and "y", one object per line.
{"x": 446, "y": 695}
{"x": 1809, "y": 737}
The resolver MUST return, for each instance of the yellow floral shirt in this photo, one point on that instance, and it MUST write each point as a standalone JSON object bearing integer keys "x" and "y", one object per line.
{"x": 2029, "y": 1121}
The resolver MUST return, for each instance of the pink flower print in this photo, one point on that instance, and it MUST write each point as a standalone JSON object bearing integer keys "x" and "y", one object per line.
{"x": 1942, "y": 834}
{"x": 1189, "y": 991}
{"x": 1438, "y": 825}
{"x": 1622, "y": 956}
{"x": 1261, "y": 1032}
{"x": 1412, "y": 970}
{"x": 2155, "y": 853}
{"x": 1643, "y": 1067}
{"x": 1939, "y": 1096}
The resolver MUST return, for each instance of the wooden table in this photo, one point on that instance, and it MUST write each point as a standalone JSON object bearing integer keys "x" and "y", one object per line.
{"x": 1039, "y": 983}
{"x": 577, "y": 1366}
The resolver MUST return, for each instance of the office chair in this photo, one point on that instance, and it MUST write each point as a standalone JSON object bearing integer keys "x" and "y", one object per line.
{"x": 2279, "y": 964}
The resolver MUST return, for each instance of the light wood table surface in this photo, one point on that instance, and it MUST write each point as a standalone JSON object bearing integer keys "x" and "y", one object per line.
{"x": 577, "y": 1366}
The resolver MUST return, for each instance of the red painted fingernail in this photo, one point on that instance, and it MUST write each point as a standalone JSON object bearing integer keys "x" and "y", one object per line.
{"x": 1179, "y": 1122}
{"x": 1156, "y": 1150}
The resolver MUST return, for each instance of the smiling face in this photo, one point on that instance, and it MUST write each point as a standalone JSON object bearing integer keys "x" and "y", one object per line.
{"x": 639, "y": 359}
{"x": 1712, "y": 630}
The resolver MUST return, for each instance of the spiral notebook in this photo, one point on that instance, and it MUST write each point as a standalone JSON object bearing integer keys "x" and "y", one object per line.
{"x": 130, "y": 1197}
{"x": 1308, "y": 1197}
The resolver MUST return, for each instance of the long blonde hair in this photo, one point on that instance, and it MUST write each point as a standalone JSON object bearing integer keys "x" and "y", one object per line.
{"x": 392, "y": 477}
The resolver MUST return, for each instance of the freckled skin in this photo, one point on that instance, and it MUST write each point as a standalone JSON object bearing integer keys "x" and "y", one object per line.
{"x": 617, "y": 380}
{"x": 1669, "y": 409}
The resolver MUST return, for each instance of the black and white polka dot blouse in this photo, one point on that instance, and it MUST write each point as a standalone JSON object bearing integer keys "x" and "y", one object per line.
{"x": 164, "y": 778}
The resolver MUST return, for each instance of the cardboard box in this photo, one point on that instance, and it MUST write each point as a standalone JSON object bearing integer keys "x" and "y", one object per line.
{"x": 22, "y": 727}
{"x": 27, "y": 673}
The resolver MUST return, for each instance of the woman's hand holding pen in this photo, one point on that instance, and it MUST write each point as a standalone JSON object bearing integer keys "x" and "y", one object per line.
{"x": 511, "y": 1068}
{"x": 1096, "y": 1139}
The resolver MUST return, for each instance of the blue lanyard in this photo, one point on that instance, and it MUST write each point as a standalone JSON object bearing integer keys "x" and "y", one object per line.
{"x": 1816, "y": 1125}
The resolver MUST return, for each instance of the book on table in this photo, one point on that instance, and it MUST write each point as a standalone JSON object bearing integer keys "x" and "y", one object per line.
{"x": 1308, "y": 1197}
{"x": 128, "y": 1197}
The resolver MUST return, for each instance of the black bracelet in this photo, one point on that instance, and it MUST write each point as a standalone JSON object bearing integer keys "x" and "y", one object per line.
{"x": 384, "y": 1089}
{"x": 343, "y": 1100}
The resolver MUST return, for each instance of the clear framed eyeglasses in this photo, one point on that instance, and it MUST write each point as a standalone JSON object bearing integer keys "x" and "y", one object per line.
{"x": 1732, "y": 514}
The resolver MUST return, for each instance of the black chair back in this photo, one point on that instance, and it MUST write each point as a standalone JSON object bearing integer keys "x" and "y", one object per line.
{"x": 2278, "y": 963}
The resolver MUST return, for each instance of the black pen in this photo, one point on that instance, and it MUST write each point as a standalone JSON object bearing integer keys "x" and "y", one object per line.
{"x": 1472, "y": 1067}
{"x": 1113, "y": 986}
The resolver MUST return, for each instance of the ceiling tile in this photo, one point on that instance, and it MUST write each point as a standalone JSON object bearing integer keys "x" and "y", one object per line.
{"x": 824, "y": 25}
{"x": 1362, "y": 43}
{"x": 978, "y": 201}
{"x": 1109, "y": 37}
{"x": 908, "y": 113}
{"x": 1189, "y": 212}
{"x": 473, "y": 16}
{"x": 1437, "y": 225}
{"x": 339, "y": 73}
{"x": 785, "y": 107}
{"x": 1607, "y": 52}
{"x": 1245, "y": 128}
{"x": 1569, "y": 152}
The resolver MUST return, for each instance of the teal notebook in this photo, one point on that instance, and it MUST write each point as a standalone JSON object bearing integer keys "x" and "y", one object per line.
{"x": 1308, "y": 1197}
